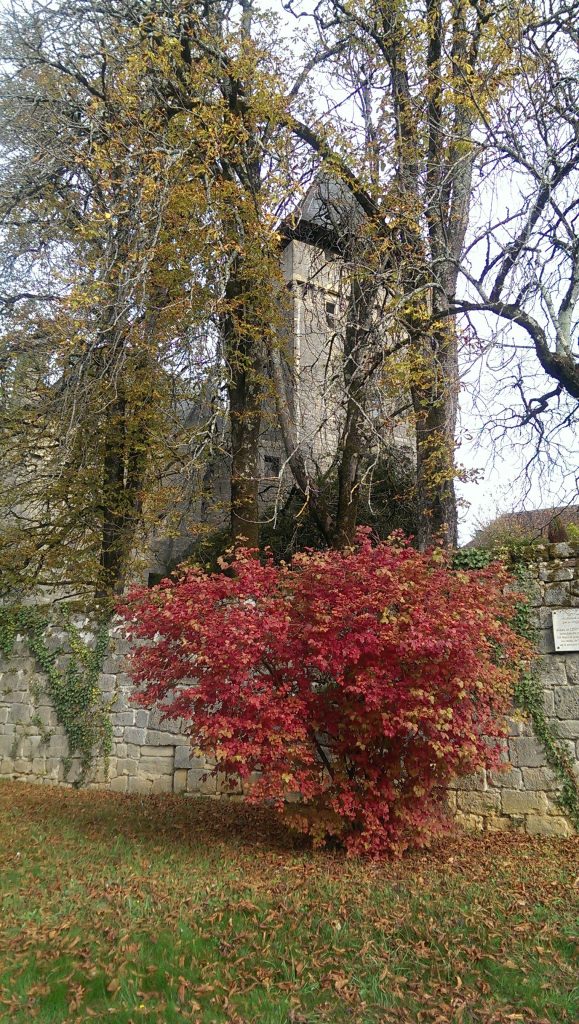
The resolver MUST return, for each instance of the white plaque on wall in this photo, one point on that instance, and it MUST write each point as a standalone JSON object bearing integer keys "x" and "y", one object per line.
{"x": 566, "y": 629}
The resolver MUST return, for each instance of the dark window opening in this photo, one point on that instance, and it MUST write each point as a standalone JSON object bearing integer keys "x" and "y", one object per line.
{"x": 272, "y": 465}
{"x": 330, "y": 313}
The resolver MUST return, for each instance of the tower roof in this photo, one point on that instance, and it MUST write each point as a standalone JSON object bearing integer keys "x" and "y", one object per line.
{"x": 327, "y": 216}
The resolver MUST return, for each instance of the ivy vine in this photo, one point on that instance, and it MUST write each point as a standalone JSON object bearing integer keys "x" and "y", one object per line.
{"x": 528, "y": 690}
{"x": 74, "y": 691}
{"x": 529, "y": 696}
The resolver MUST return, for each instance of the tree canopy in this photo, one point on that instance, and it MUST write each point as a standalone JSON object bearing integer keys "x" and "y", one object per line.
{"x": 151, "y": 153}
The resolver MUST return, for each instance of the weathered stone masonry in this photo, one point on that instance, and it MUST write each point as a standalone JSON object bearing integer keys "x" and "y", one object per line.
{"x": 148, "y": 756}
{"x": 524, "y": 796}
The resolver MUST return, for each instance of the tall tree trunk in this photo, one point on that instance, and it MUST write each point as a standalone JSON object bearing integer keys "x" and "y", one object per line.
{"x": 245, "y": 401}
{"x": 434, "y": 398}
{"x": 361, "y": 359}
{"x": 244, "y": 352}
{"x": 124, "y": 470}
{"x": 113, "y": 497}
{"x": 123, "y": 480}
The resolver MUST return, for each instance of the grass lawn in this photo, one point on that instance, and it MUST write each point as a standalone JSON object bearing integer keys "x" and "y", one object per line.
{"x": 168, "y": 909}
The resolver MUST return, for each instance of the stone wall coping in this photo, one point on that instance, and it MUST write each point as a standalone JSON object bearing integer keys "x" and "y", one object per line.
{"x": 554, "y": 552}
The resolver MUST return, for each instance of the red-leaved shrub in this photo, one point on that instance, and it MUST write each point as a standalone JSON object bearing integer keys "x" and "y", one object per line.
{"x": 360, "y": 680}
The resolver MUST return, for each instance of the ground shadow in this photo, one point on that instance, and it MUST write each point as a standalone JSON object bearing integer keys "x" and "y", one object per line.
{"x": 160, "y": 819}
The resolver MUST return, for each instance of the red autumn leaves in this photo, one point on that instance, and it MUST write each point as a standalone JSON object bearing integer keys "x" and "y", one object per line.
{"x": 359, "y": 682}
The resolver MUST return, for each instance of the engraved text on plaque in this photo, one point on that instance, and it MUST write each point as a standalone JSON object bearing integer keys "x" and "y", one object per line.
{"x": 566, "y": 629}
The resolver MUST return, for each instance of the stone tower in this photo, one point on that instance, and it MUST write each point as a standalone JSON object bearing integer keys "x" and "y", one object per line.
{"x": 314, "y": 239}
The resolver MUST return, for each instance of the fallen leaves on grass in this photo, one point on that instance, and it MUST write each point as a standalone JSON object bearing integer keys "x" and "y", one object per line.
{"x": 166, "y": 909}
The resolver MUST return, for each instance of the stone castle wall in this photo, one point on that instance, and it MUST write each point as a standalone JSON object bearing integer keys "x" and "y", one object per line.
{"x": 525, "y": 795}
{"x": 149, "y": 756}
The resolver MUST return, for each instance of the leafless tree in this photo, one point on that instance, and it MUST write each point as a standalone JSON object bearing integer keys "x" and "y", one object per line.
{"x": 520, "y": 272}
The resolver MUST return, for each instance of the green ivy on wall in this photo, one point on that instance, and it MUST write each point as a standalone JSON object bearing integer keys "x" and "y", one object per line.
{"x": 528, "y": 691}
{"x": 529, "y": 696}
{"x": 74, "y": 691}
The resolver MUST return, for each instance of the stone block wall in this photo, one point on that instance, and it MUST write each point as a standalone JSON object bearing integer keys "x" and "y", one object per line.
{"x": 150, "y": 756}
{"x": 524, "y": 796}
